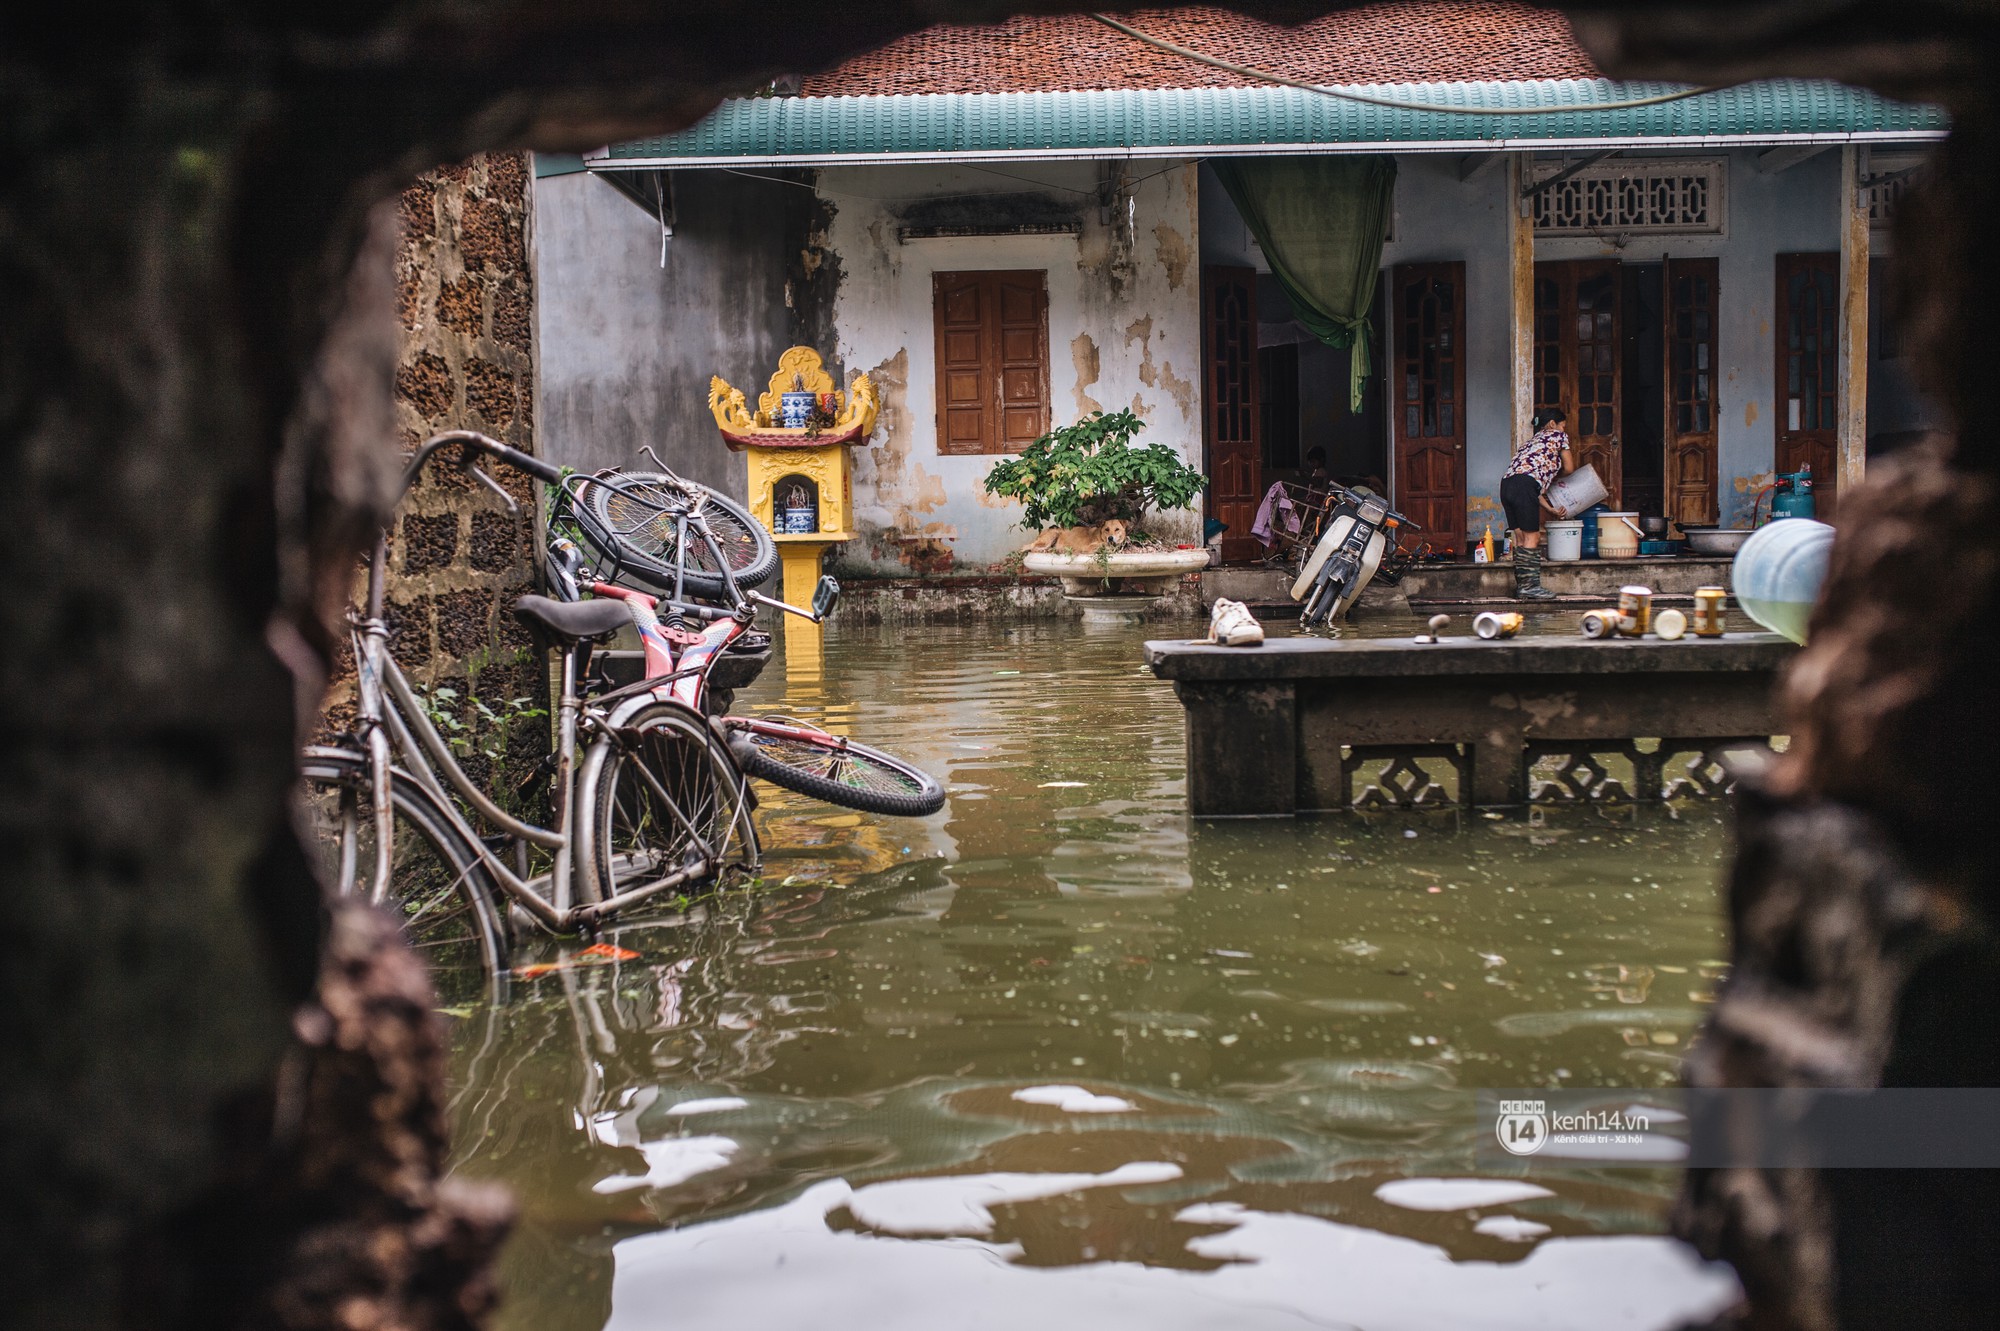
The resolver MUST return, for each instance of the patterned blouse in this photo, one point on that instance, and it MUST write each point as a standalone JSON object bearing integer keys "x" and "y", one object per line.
{"x": 1541, "y": 457}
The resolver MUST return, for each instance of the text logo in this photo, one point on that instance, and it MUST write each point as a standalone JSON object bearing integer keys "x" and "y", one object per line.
{"x": 1523, "y": 1127}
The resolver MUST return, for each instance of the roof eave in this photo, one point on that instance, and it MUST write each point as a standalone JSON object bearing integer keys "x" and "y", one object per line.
{"x": 602, "y": 160}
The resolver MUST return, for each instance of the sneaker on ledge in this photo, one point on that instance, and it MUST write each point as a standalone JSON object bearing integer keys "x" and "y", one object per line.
{"x": 1232, "y": 624}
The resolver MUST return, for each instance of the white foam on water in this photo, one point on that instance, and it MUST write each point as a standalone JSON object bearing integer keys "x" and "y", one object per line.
{"x": 785, "y": 1266}
{"x": 1512, "y": 1228}
{"x": 712, "y": 1105}
{"x": 1456, "y": 1194}
{"x": 1074, "y": 1100}
{"x": 671, "y": 1162}
{"x": 959, "y": 1204}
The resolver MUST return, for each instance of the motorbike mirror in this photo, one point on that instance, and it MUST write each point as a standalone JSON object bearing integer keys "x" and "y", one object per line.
{"x": 825, "y": 596}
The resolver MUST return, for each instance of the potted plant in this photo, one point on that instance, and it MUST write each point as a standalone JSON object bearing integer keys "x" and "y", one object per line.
{"x": 1085, "y": 491}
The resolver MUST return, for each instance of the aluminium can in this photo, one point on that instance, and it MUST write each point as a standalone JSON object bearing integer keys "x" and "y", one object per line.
{"x": 1600, "y": 623}
{"x": 1635, "y": 611}
{"x": 1669, "y": 625}
{"x": 1492, "y": 625}
{"x": 1708, "y": 618}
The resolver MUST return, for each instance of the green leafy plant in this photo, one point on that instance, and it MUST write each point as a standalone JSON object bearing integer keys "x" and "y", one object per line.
{"x": 483, "y": 728}
{"x": 1086, "y": 473}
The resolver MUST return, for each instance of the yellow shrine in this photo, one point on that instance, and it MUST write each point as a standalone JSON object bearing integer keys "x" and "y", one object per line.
{"x": 801, "y": 473}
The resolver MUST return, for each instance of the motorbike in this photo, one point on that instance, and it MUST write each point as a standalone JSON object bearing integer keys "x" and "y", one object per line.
{"x": 1361, "y": 539}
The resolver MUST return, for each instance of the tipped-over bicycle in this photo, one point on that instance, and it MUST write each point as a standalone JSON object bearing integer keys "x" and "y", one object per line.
{"x": 647, "y": 793}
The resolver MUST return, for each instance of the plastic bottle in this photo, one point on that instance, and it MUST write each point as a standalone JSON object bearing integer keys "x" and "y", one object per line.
{"x": 1486, "y": 544}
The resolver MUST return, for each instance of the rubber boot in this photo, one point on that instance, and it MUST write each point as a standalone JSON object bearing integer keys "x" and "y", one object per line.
{"x": 1528, "y": 575}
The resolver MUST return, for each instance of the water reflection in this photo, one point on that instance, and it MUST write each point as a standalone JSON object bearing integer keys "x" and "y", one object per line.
{"x": 1056, "y": 1053}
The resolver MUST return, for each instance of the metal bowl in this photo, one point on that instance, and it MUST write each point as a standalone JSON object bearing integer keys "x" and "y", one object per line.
{"x": 1715, "y": 540}
{"x": 1656, "y": 528}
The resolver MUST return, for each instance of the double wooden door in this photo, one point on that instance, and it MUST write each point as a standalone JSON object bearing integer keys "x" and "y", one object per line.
{"x": 1580, "y": 351}
{"x": 1230, "y": 424}
{"x": 1809, "y": 368}
{"x": 1427, "y": 402}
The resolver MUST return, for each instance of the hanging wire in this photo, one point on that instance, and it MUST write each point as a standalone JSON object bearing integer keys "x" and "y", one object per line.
{"x": 1393, "y": 103}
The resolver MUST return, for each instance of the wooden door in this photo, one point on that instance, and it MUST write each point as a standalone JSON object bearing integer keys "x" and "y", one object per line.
{"x": 1229, "y": 406}
{"x": 1428, "y": 301}
{"x": 992, "y": 331}
{"x": 1692, "y": 380}
{"x": 1809, "y": 369}
{"x": 1578, "y": 359}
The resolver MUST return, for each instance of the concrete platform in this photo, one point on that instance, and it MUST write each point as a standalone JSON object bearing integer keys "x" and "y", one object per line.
{"x": 1583, "y": 584}
{"x": 1284, "y": 728}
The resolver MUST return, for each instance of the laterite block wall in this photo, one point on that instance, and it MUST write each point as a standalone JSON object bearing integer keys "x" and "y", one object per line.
{"x": 465, "y": 298}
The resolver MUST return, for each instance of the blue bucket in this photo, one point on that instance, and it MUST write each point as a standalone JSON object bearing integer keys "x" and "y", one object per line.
{"x": 1589, "y": 520}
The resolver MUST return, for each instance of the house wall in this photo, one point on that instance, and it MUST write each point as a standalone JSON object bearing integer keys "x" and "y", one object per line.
{"x": 628, "y": 344}
{"x": 1795, "y": 210}
{"x": 1124, "y": 331}
{"x": 1440, "y": 217}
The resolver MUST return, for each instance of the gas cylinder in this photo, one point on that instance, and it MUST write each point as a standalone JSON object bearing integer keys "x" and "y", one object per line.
{"x": 1792, "y": 497}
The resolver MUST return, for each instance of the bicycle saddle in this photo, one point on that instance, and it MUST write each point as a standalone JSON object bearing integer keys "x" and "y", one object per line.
{"x": 572, "y": 621}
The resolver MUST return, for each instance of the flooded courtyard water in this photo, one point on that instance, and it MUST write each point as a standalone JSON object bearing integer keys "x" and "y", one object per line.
{"x": 1057, "y": 1057}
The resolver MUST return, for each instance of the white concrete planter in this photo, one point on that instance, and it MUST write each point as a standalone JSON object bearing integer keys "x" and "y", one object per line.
{"x": 1138, "y": 578}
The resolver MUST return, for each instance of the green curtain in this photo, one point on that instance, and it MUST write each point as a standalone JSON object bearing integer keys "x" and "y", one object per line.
{"x": 1320, "y": 221}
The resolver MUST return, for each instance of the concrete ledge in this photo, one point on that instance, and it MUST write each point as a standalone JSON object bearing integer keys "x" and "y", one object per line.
{"x": 1284, "y": 728}
{"x": 980, "y": 599}
{"x": 1324, "y": 658}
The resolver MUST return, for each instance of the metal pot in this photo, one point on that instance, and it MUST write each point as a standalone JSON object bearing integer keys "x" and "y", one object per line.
{"x": 1715, "y": 540}
{"x": 1653, "y": 528}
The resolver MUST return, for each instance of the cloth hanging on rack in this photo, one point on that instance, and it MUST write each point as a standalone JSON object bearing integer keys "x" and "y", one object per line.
{"x": 1277, "y": 508}
{"x": 1320, "y": 222}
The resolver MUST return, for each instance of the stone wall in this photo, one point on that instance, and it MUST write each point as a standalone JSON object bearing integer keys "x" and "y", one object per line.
{"x": 457, "y": 557}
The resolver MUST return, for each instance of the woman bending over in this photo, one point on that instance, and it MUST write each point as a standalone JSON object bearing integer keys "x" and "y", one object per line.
{"x": 1535, "y": 467}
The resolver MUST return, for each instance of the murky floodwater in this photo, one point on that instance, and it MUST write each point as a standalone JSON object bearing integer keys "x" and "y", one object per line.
{"x": 1057, "y": 1058}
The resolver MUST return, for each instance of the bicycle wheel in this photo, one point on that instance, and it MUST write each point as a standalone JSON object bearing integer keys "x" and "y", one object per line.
{"x": 444, "y": 898}
{"x": 832, "y": 768}
{"x": 634, "y": 534}
{"x": 659, "y": 797}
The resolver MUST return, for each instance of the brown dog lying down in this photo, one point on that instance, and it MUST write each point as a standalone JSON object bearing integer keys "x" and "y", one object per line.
{"x": 1080, "y": 540}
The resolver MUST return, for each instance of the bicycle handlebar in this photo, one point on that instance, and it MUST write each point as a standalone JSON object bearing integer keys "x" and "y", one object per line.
{"x": 475, "y": 442}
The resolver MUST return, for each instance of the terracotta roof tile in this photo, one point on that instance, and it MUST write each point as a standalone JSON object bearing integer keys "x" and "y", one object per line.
{"x": 1426, "y": 41}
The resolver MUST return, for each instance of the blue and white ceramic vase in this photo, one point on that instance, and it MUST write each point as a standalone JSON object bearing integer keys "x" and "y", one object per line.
{"x": 795, "y": 409}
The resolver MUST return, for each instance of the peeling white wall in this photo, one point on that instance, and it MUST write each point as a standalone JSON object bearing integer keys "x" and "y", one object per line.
{"x": 1124, "y": 331}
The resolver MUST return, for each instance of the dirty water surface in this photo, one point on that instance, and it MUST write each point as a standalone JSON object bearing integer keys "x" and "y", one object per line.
{"x": 1056, "y": 1057}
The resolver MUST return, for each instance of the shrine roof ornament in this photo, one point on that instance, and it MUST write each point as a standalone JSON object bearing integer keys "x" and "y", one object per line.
{"x": 800, "y": 370}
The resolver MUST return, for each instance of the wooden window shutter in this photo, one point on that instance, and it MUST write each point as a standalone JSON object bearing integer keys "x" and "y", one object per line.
{"x": 992, "y": 360}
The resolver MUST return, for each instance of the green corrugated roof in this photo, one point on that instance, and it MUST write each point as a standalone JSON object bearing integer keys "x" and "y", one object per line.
{"x": 1212, "y": 121}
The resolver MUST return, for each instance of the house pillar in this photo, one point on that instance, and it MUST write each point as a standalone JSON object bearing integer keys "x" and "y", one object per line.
{"x": 1851, "y": 412}
{"x": 1521, "y": 320}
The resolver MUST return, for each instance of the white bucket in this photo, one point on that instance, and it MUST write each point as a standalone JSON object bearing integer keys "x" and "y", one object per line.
{"x": 1571, "y": 494}
{"x": 1565, "y": 541}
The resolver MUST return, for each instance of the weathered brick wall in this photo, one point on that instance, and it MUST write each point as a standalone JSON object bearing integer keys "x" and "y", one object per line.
{"x": 456, "y": 556}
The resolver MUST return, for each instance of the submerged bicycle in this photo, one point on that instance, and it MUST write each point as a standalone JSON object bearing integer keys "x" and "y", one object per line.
{"x": 658, "y": 801}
